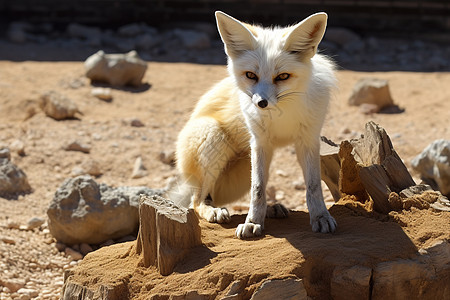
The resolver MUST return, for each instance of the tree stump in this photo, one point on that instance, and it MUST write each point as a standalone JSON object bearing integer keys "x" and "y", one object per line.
{"x": 166, "y": 233}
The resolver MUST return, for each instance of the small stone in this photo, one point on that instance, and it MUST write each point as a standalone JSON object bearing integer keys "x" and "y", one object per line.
{"x": 299, "y": 185}
{"x": 92, "y": 168}
{"x": 60, "y": 246}
{"x": 102, "y": 93}
{"x": 34, "y": 222}
{"x": 167, "y": 157}
{"x": 78, "y": 146}
{"x": 139, "y": 169}
{"x": 368, "y": 108}
{"x": 18, "y": 146}
{"x": 13, "y": 225}
{"x": 74, "y": 255}
{"x": 372, "y": 91}
{"x": 8, "y": 240}
{"x": 58, "y": 106}
{"x": 279, "y": 195}
{"x": 85, "y": 248}
{"x": 345, "y": 130}
{"x": 281, "y": 173}
{"x": 29, "y": 292}
{"x": 136, "y": 123}
{"x": 13, "y": 284}
{"x": 107, "y": 243}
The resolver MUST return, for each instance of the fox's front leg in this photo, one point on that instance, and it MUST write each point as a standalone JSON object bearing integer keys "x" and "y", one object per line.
{"x": 309, "y": 159}
{"x": 254, "y": 223}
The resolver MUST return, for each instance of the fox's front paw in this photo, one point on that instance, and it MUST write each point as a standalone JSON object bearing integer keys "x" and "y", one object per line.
{"x": 248, "y": 230}
{"x": 324, "y": 223}
{"x": 218, "y": 215}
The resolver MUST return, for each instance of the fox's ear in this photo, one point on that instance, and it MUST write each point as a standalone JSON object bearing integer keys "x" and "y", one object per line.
{"x": 235, "y": 35}
{"x": 304, "y": 37}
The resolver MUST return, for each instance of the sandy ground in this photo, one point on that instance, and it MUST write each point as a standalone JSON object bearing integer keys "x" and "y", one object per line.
{"x": 163, "y": 106}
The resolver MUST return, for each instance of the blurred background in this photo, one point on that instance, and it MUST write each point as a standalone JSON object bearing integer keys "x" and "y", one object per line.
{"x": 410, "y": 35}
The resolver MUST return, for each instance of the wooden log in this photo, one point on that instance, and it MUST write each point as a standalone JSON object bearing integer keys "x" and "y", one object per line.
{"x": 166, "y": 233}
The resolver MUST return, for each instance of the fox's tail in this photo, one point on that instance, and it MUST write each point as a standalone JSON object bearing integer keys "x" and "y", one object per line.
{"x": 180, "y": 191}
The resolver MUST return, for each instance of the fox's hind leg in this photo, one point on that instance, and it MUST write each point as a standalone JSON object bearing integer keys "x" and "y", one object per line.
{"x": 203, "y": 153}
{"x": 203, "y": 205}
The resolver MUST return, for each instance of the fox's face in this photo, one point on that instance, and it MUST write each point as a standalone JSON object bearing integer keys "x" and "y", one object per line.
{"x": 271, "y": 65}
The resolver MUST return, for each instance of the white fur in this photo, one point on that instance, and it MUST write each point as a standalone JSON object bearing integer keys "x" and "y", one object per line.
{"x": 294, "y": 114}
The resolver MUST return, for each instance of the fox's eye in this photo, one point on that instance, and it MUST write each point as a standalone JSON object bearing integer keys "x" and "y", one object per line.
{"x": 282, "y": 76}
{"x": 251, "y": 76}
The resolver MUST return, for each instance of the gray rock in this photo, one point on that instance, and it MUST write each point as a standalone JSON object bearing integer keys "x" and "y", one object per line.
{"x": 91, "y": 34}
{"x": 433, "y": 164}
{"x": 116, "y": 69}
{"x": 83, "y": 211}
{"x": 371, "y": 91}
{"x": 58, "y": 106}
{"x": 341, "y": 36}
{"x": 130, "y": 30}
{"x": 13, "y": 181}
{"x": 147, "y": 41}
{"x": 193, "y": 39}
{"x": 17, "y": 35}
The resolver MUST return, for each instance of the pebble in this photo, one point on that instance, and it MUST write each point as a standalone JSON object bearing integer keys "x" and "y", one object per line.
{"x": 279, "y": 195}
{"x": 29, "y": 292}
{"x": 281, "y": 173}
{"x": 13, "y": 225}
{"x": 72, "y": 254}
{"x": 102, "y": 93}
{"x": 8, "y": 240}
{"x": 139, "y": 169}
{"x": 167, "y": 157}
{"x": 136, "y": 123}
{"x": 299, "y": 185}
{"x": 85, "y": 248}
{"x": 35, "y": 222}
{"x": 18, "y": 146}
{"x": 78, "y": 146}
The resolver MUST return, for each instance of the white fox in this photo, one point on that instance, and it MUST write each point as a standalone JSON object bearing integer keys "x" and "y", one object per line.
{"x": 276, "y": 94}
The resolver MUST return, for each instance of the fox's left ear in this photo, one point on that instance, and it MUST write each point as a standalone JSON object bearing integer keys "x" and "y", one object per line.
{"x": 304, "y": 37}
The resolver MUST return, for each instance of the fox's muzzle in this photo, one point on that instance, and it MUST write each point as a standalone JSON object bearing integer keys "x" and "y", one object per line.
{"x": 261, "y": 102}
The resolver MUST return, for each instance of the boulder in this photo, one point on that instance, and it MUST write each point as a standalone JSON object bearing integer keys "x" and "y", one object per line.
{"x": 116, "y": 69}
{"x": 57, "y": 106}
{"x": 13, "y": 181}
{"x": 91, "y": 34}
{"x": 371, "y": 91}
{"x": 433, "y": 164}
{"x": 83, "y": 211}
{"x": 341, "y": 36}
{"x": 192, "y": 39}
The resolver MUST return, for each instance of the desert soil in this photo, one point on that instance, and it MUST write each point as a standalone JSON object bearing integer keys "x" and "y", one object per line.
{"x": 31, "y": 259}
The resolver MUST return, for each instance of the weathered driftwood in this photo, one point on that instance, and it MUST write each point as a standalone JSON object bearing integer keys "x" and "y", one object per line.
{"x": 378, "y": 166}
{"x": 330, "y": 166}
{"x": 166, "y": 233}
{"x": 370, "y": 168}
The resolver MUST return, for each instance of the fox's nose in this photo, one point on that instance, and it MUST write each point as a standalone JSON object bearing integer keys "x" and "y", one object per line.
{"x": 263, "y": 103}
